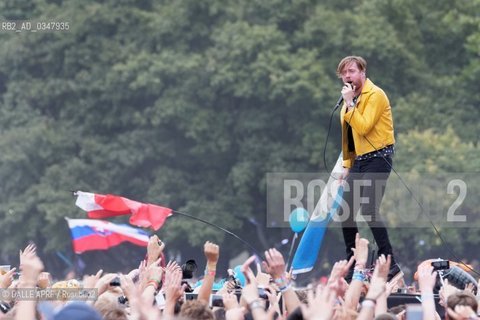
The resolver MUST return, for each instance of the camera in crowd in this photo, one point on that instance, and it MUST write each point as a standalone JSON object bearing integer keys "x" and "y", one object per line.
{"x": 188, "y": 268}
{"x": 454, "y": 274}
{"x": 440, "y": 265}
{"x": 5, "y": 306}
{"x": 123, "y": 300}
{"x": 232, "y": 277}
{"x": 115, "y": 282}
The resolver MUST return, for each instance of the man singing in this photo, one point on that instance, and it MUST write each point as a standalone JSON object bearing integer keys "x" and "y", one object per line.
{"x": 368, "y": 147}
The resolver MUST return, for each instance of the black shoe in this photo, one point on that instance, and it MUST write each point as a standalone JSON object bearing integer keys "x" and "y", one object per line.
{"x": 394, "y": 272}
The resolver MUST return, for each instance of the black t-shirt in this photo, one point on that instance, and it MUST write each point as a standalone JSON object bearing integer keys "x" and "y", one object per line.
{"x": 351, "y": 143}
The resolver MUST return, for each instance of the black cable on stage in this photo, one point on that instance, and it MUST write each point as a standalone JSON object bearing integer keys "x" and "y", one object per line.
{"x": 220, "y": 228}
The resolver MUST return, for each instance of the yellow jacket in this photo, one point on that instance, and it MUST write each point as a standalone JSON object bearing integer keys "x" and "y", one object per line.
{"x": 371, "y": 121}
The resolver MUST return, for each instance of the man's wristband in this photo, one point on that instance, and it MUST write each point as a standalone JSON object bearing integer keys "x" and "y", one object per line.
{"x": 368, "y": 303}
{"x": 255, "y": 304}
{"x": 154, "y": 284}
{"x": 359, "y": 275}
{"x": 284, "y": 287}
{"x": 282, "y": 282}
{"x": 210, "y": 272}
{"x": 426, "y": 295}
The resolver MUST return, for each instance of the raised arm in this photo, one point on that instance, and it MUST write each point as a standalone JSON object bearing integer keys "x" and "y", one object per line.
{"x": 31, "y": 266}
{"x": 275, "y": 266}
{"x": 154, "y": 249}
{"x": 352, "y": 297}
{"x": 173, "y": 288}
{"x": 212, "y": 252}
{"x": 426, "y": 281}
{"x": 377, "y": 288}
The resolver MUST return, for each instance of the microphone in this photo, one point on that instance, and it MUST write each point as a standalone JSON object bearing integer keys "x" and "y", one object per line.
{"x": 339, "y": 102}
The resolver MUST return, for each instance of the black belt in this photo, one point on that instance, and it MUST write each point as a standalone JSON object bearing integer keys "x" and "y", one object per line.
{"x": 388, "y": 150}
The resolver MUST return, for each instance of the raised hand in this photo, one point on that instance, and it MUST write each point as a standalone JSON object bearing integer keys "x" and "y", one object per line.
{"x": 446, "y": 291}
{"x": 340, "y": 269}
{"x": 393, "y": 285}
{"x": 321, "y": 303}
{"x": 462, "y": 313}
{"x": 172, "y": 266}
{"x": 44, "y": 280}
{"x": 90, "y": 281}
{"x": 426, "y": 278}
{"x": 273, "y": 298}
{"x": 228, "y": 286}
{"x": 383, "y": 266}
{"x": 104, "y": 282}
{"x": 379, "y": 278}
{"x": 173, "y": 290}
{"x": 28, "y": 251}
{"x": 340, "y": 286}
{"x": 128, "y": 287}
{"x": 154, "y": 249}
{"x": 470, "y": 287}
{"x": 247, "y": 271}
{"x": 7, "y": 278}
{"x": 360, "y": 252}
{"x": 154, "y": 273}
{"x": 274, "y": 264}
{"x": 31, "y": 267}
{"x": 250, "y": 293}
{"x": 140, "y": 308}
{"x": 212, "y": 253}
{"x": 426, "y": 282}
{"x": 348, "y": 92}
{"x": 134, "y": 273}
{"x": 230, "y": 301}
{"x": 142, "y": 274}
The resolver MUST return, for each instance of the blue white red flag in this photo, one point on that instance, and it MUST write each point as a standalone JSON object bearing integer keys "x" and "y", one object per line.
{"x": 88, "y": 234}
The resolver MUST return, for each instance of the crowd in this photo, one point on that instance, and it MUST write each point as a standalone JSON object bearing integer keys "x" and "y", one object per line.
{"x": 156, "y": 290}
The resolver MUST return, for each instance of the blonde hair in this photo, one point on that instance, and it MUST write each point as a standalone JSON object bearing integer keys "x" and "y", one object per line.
{"x": 61, "y": 286}
{"x": 359, "y": 61}
{"x": 108, "y": 306}
{"x": 196, "y": 309}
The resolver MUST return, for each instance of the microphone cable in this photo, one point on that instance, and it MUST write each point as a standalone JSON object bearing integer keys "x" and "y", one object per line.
{"x": 326, "y": 139}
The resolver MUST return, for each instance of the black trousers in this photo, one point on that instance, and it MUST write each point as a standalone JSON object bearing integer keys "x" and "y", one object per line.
{"x": 364, "y": 189}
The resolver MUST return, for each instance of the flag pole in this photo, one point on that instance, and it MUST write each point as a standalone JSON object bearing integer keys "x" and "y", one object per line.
{"x": 220, "y": 228}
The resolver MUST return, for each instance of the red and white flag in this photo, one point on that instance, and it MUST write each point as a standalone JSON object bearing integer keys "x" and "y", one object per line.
{"x": 101, "y": 206}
